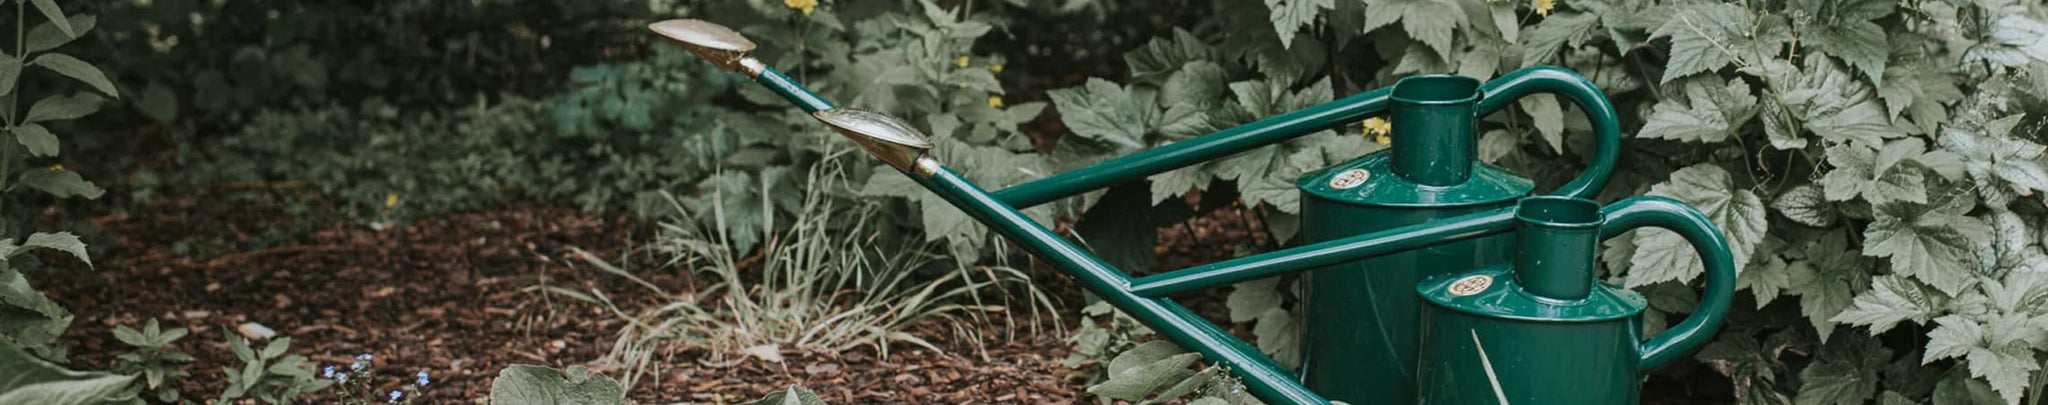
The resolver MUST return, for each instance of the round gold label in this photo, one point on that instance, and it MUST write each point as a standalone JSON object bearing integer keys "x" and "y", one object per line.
{"x": 1350, "y": 178}
{"x": 1470, "y": 285}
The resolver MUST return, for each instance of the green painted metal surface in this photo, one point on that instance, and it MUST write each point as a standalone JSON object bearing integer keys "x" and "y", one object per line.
{"x": 1516, "y": 334}
{"x": 790, "y": 90}
{"x": 1361, "y": 336}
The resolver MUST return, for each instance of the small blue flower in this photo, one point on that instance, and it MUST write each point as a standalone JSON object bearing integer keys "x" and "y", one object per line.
{"x": 341, "y": 378}
{"x": 327, "y": 372}
{"x": 422, "y": 378}
{"x": 396, "y": 394}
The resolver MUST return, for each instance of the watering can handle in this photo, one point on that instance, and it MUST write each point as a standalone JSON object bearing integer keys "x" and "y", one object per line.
{"x": 1697, "y": 329}
{"x": 1498, "y": 93}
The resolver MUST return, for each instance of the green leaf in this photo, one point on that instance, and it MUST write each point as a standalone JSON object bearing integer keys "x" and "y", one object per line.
{"x": 1179, "y": 181}
{"x": 59, "y": 107}
{"x": 1845, "y": 372}
{"x": 1555, "y": 32}
{"x": 1828, "y": 280}
{"x": 60, "y": 241}
{"x": 1661, "y": 255}
{"x": 536, "y": 385}
{"x": 1991, "y": 156}
{"x": 1248, "y": 300}
{"x": 1163, "y": 55}
{"x": 2015, "y": 41}
{"x": 1959, "y": 389}
{"x": 1712, "y": 111}
{"x": 32, "y": 381}
{"x": 10, "y": 73}
{"x": 1842, "y": 28}
{"x": 1876, "y": 175}
{"x": 1806, "y": 205}
{"x": 1893, "y": 299}
{"x": 1279, "y": 336}
{"x": 1142, "y": 374}
{"x": 1289, "y": 16}
{"x": 1428, "y": 21}
{"x": 1198, "y": 84}
{"x": 47, "y": 36}
{"x": 1702, "y": 37}
{"x": 1548, "y": 118}
{"x": 1936, "y": 246}
{"x": 1840, "y": 108}
{"x": 795, "y": 395}
{"x": 61, "y": 183}
{"x": 56, "y": 16}
{"x": 39, "y": 140}
{"x": 1102, "y": 111}
{"x": 77, "y": 69}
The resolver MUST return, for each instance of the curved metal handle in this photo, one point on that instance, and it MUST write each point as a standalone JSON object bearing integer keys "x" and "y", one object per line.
{"x": 1498, "y": 93}
{"x": 1705, "y": 238}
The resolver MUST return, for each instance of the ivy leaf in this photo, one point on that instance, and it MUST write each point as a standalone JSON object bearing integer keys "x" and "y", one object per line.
{"x": 1703, "y": 37}
{"x": 1842, "y": 28}
{"x": 37, "y": 139}
{"x": 1661, "y": 255}
{"x": 1877, "y": 176}
{"x": 1711, "y": 112}
{"x": 85, "y": 72}
{"x": 1289, "y": 16}
{"x": 1806, "y": 205}
{"x": 1102, "y": 111}
{"x": 1554, "y": 33}
{"x": 1428, "y": 21}
{"x": 1893, "y": 299}
{"x": 1936, "y": 245}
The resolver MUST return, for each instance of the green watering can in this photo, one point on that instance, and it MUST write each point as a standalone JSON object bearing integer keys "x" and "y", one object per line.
{"x": 1378, "y": 231}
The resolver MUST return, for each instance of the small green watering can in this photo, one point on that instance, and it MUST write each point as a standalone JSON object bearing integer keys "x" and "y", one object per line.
{"x": 1425, "y": 208}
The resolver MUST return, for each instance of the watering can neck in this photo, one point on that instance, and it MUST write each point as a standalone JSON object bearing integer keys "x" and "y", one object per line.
{"x": 1555, "y": 241}
{"x": 1432, "y": 115}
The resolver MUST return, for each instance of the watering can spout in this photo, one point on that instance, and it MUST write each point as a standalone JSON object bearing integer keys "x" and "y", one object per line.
{"x": 1432, "y": 135}
{"x": 1555, "y": 241}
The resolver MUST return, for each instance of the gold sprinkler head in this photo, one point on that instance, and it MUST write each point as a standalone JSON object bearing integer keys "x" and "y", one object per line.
{"x": 722, "y": 46}
{"x": 888, "y": 138}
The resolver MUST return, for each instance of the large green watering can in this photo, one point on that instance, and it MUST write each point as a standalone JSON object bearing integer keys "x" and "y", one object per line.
{"x": 1376, "y": 229}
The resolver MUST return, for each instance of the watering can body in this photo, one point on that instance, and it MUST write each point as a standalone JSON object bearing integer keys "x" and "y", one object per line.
{"x": 1541, "y": 330}
{"x": 1360, "y": 338}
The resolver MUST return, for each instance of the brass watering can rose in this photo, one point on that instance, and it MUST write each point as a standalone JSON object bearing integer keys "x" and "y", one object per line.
{"x": 888, "y": 138}
{"x": 716, "y": 43}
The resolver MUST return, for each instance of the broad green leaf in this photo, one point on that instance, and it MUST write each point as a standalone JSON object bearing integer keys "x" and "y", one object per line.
{"x": 1959, "y": 389}
{"x": 1838, "y": 107}
{"x": 1712, "y": 111}
{"x": 1845, "y": 372}
{"x": 1198, "y": 84}
{"x": 1662, "y": 255}
{"x": 60, "y": 107}
{"x": 77, "y": 69}
{"x": 1248, "y": 300}
{"x": 33, "y": 381}
{"x": 1828, "y": 280}
{"x": 1954, "y": 336}
{"x": 1702, "y": 37}
{"x": 1893, "y": 299}
{"x": 10, "y": 73}
{"x": 1289, "y": 16}
{"x": 1936, "y": 246}
{"x": 1806, "y": 205}
{"x": 1279, "y": 336}
{"x": 1548, "y": 117}
{"x": 1990, "y": 155}
{"x": 1177, "y": 182}
{"x": 1143, "y": 354}
{"x": 47, "y": 36}
{"x": 1555, "y": 33}
{"x": 536, "y": 385}
{"x": 56, "y": 15}
{"x": 1876, "y": 175}
{"x": 1428, "y": 21}
{"x": 1161, "y": 56}
{"x": 61, "y": 183}
{"x": 1102, "y": 111}
{"x": 60, "y": 241}
{"x": 1135, "y": 382}
{"x": 1842, "y": 28}
{"x": 2015, "y": 41}
{"x": 37, "y": 139}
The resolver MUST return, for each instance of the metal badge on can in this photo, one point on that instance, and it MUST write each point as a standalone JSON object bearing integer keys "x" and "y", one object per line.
{"x": 1350, "y": 178}
{"x": 1470, "y": 285}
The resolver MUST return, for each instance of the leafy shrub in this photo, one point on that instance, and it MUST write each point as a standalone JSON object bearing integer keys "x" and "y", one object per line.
{"x": 153, "y": 358}
{"x": 269, "y": 375}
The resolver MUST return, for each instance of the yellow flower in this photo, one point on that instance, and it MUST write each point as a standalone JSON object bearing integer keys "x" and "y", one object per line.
{"x": 1543, "y": 7}
{"x": 390, "y": 200}
{"x": 1377, "y": 129}
{"x": 57, "y": 167}
{"x": 962, "y": 62}
{"x": 995, "y": 68}
{"x": 805, "y": 6}
{"x": 995, "y": 101}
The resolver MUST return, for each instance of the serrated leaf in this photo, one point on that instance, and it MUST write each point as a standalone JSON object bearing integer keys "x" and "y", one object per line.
{"x": 1664, "y": 256}
{"x": 1179, "y": 181}
{"x": 1893, "y": 299}
{"x": 2014, "y": 41}
{"x": 1551, "y": 36}
{"x": 1162, "y": 55}
{"x": 1103, "y": 111}
{"x": 61, "y": 183}
{"x": 37, "y": 139}
{"x": 1248, "y": 300}
{"x": 1936, "y": 246}
{"x": 1875, "y": 175}
{"x": 60, "y": 241}
{"x": 1702, "y": 37}
{"x": 1845, "y": 372}
{"x": 1427, "y": 21}
{"x": 536, "y": 385}
{"x": 1134, "y": 383}
{"x": 1806, "y": 205}
{"x": 1289, "y": 16}
{"x": 1279, "y": 336}
{"x": 77, "y": 69}
{"x": 1860, "y": 43}
{"x": 1548, "y": 118}
{"x": 1712, "y": 111}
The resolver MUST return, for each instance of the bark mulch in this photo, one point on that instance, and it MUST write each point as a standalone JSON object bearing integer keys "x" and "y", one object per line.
{"x": 460, "y": 296}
